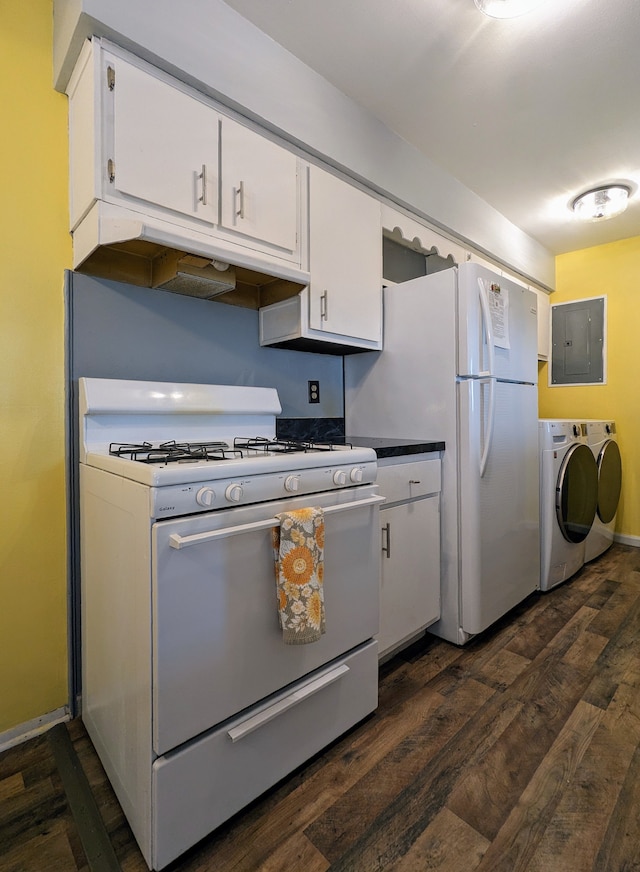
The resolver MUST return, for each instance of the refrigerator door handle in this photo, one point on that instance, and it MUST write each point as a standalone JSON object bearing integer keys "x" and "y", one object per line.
{"x": 488, "y": 329}
{"x": 488, "y": 439}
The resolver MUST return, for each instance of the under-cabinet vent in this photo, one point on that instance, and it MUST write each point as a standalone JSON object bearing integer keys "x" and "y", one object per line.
{"x": 192, "y": 275}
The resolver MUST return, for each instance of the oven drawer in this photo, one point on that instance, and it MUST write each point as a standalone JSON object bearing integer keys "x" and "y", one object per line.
{"x": 408, "y": 480}
{"x": 201, "y": 785}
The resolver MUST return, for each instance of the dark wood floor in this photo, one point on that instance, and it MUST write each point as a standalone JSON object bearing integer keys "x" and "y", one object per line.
{"x": 520, "y": 751}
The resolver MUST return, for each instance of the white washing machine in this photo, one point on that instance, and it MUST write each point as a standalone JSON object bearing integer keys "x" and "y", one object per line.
{"x": 603, "y": 441}
{"x": 568, "y": 498}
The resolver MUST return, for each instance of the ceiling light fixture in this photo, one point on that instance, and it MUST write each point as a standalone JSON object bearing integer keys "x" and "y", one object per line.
{"x": 506, "y": 8}
{"x": 597, "y": 204}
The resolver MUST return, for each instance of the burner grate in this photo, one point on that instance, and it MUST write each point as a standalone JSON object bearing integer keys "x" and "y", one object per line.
{"x": 171, "y": 452}
{"x": 191, "y": 452}
{"x": 273, "y": 446}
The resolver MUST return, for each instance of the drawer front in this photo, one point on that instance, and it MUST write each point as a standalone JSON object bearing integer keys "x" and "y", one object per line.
{"x": 198, "y": 787}
{"x": 405, "y": 481}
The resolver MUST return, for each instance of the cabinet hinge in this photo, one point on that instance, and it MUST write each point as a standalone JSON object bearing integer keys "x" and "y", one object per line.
{"x": 111, "y": 78}
{"x": 111, "y": 170}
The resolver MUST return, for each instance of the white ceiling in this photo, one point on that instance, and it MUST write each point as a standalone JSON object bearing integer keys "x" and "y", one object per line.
{"x": 527, "y": 112}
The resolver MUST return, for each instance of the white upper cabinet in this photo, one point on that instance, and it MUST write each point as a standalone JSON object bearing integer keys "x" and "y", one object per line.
{"x": 156, "y": 163}
{"x": 345, "y": 259}
{"x": 543, "y": 313}
{"x": 165, "y": 144}
{"x": 544, "y": 325}
{"x": 259, "y": 188}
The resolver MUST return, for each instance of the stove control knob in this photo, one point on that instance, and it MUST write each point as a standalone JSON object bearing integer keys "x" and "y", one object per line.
{"x": 205, "y": 497}
{"x": 234, "y": 493}
{"x": 339, "y": 477}
{"x": 356, "y": 474}
{"x": 292, "y": 483}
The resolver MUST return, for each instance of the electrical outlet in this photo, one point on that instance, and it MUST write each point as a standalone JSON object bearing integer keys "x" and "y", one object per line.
{"x": 314, "y": 391}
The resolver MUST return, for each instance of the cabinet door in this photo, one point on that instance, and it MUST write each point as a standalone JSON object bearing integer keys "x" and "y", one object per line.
{"x": 165, "y": 146}
{"x": 259, "y": 188}
{"x": 544, "y": 315}
{"x": 410, "y": 574}
{"x": 345, "y": 258}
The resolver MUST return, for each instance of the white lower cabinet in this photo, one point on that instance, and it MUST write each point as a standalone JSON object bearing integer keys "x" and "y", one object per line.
{"x": 410, "y": 566}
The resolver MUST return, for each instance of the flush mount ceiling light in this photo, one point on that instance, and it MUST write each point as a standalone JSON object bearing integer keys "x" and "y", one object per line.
{"x": 600, "y": 203}
{"x": 506, "y": 8}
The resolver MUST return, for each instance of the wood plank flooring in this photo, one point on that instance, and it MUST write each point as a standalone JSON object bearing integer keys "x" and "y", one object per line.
{"x": 520, "y": 751}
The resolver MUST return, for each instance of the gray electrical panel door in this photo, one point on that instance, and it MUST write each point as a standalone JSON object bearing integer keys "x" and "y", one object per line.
{"x": 577, "y": 342}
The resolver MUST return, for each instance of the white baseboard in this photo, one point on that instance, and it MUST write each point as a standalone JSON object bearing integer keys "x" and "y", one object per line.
{"x": 30, "y": 729}
{"x": 625, "y": 539}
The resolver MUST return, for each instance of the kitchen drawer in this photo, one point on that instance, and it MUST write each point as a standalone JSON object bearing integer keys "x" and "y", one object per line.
{"x": 408, "y": 480}
{"x": 203, "y": 783}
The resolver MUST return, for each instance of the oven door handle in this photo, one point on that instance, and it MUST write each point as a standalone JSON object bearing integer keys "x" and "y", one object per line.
{"x": 278, "y": 708}
{"x": 177, "y": 541}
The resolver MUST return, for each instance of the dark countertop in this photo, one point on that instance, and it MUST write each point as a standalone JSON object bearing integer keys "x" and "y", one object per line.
{"x": 395, "y": 447}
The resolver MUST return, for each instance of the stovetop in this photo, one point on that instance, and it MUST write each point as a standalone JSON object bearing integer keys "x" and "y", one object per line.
{"x": 164, "y": 434}
{"x": 241, "y": 447}
{"x": 159, "y": 464}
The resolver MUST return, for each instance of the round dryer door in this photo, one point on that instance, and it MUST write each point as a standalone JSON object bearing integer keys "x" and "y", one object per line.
{"x": 609, "y": 481}
{"x": 577, "y": 493}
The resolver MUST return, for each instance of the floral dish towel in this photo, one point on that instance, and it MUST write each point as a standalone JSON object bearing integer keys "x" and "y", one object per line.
{"x": 298, "y": 548}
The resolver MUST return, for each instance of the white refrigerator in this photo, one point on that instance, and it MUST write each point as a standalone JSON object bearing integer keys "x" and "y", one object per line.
{"x": 459, "y": 364}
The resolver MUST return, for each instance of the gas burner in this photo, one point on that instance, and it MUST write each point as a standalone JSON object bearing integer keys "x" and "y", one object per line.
{"x": 171, "y": 452}
{"x": 274, "y": 446}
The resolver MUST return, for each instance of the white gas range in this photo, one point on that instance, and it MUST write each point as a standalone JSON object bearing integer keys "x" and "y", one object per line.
{"x": 204, "y": 447}
{"x": 193, "y": 701}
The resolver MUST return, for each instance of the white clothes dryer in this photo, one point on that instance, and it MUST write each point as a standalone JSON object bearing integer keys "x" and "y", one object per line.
{"x": 603, "y": 441}
{"x": 568, "y": 498}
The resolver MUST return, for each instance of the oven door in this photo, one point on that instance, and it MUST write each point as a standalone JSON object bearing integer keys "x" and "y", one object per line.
{"x": 217, "y": 642}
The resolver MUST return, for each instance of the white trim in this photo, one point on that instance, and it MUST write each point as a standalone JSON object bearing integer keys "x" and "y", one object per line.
{"x": 627, "y": 539}
{"x": 31, "y": 729}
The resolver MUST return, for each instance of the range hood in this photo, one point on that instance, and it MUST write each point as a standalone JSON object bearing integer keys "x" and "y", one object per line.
{"x": 118, "y": 244}
{"x": 192, "y": 274}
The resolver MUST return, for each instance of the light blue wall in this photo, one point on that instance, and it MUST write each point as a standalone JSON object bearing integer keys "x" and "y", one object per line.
{"x": 121, "y": 331}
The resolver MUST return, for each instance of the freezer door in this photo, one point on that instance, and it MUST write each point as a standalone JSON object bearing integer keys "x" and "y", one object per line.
{"x": 497, "y": 326}
{"x": 498, "y": 499}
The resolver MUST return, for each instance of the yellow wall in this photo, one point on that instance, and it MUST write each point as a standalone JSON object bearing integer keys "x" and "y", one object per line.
{"x": 613, "y": 271}
{"x": 35, "y": 248}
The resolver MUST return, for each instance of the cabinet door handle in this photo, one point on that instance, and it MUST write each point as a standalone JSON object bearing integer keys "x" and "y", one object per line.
{"x": 203, "y": 175}
{"x": 324, "y": 307}
{"x": 414, "y": 481}
{"x": 386, "y": 549}
{"x": 240, "y": 198}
